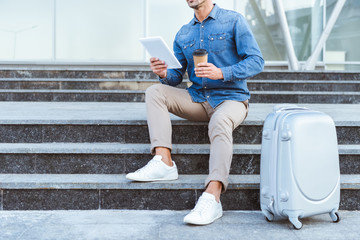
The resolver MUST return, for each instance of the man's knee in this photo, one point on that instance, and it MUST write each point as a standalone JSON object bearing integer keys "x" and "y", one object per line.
{"x": 230, "y": 119}
{"x": 154, "y": 91}
{"x": 220, "y": 125}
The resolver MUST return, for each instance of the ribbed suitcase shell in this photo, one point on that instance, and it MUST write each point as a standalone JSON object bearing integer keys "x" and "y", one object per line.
{"x": 299, "y": 168}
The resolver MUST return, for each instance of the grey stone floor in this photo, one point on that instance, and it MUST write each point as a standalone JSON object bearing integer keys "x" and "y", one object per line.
{"x": 133, "y": 224}
{"x": 110, "y": 112}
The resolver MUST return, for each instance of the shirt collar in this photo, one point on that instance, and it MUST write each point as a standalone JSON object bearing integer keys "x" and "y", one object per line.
{"x": 213, "y": 14}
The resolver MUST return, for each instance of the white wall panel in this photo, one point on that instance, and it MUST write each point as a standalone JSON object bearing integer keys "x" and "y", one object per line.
{"x": 26, "y": 29}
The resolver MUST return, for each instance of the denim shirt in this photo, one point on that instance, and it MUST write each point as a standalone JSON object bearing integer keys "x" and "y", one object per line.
{"x": 231, "y": 46}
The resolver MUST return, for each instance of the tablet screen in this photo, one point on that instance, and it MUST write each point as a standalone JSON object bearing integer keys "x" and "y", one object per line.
{"x": 157, "y": 47}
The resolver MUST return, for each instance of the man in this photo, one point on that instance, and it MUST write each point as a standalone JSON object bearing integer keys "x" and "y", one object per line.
{"x": 219, "y": 95}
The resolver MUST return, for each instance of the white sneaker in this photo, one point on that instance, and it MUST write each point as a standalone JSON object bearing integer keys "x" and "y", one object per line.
{"x": 206, "y": 211}
{"x": 154, "y": 170}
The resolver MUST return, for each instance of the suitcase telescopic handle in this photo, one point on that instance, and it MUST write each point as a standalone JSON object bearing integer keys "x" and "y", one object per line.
{"x": 288, "y": 107}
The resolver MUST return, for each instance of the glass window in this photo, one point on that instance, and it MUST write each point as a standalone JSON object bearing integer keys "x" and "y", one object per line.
{"x": 263, "y": 22}
{"x": 305, "y": 20}
{"x": 26, "y": 29}
{"x": 345, "y": 36}
{"x": 99, "y": 30}
{"x": 108, "y": 30}
{"x": 167, "y": 17}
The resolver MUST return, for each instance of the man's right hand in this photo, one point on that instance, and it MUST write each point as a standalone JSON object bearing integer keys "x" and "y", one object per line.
{"x": 158, "y": 67}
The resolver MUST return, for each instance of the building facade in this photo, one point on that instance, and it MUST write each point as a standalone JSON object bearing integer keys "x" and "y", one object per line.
{"x": 107, "y": 31}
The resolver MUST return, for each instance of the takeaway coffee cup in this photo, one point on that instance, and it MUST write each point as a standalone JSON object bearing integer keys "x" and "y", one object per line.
{"x": 200, "y": 56}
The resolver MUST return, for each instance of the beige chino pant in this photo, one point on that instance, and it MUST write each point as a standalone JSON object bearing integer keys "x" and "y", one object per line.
{"x": 161, "y": 99}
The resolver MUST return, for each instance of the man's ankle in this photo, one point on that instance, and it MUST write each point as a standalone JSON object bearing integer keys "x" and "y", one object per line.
{"x": 215, "y": 188}
{"x": 165, "y": 154}
{"x": 167, "y": 161}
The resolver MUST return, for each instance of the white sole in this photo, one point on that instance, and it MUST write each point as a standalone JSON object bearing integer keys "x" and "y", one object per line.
{"x": 152, "y": 180}
{"x": 205, "y": 223}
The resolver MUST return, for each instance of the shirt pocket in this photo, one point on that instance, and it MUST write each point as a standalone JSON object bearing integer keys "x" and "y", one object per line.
{"x": 217, "y": 42}
{"x": 188, "y": 48}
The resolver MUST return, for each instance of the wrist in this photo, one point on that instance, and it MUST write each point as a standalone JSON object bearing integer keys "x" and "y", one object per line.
{"x": 220, "y": 74}
{"x": 162, "y": 75}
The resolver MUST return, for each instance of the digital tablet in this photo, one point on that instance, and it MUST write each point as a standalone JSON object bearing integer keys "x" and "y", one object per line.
{"x": 157, "y": 47}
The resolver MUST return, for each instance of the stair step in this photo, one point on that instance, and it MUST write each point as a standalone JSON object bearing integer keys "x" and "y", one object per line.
{"x": 128, "y": 113}
{"x": 305, "y": 97}
{"x": 118, "y": 181}
{"x": 71, "y": 95}
{"x": 135, "y": 84}
{"x": 116, "y": 158}
{"x": 144, "y": 72}
{"x": 304, "y": 85}
{"x": 37, "y": 122}
{"x": 118, "y": 148}
{"x": 45, "y": 192}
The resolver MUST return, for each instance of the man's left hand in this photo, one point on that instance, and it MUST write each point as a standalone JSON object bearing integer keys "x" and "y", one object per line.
{"x": 208, "y": 70}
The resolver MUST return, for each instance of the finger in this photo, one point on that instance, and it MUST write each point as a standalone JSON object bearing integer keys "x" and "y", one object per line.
{"x": 205, "y": 70}
{"x": 158, "y": 63}
{"x": 201, "y": 74}
{"x": 162, "y": 68}
{"x": 204, "y": 64}
{"x": 199, "y": 70}
{"x": 154, "y": 59}
{"x": 159, "y": 69}
{"x": 202, "y": 70}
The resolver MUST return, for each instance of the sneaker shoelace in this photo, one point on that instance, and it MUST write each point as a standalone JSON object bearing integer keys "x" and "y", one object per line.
{"x": 150, "y": 165}
{"x": 203, "y": 204}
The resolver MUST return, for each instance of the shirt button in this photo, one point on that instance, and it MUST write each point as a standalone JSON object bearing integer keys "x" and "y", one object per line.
{"x": 207, "y": 96}
{"x": 201, "y": 40}
{"x": 205, "y": 87}
{"x": 202, "y": 26}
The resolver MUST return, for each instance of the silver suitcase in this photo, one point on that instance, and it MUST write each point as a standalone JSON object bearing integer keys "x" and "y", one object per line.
{"x": 299, "y": 167}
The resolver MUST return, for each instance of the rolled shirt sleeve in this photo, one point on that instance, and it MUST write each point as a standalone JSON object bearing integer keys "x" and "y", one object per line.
{"x": 175, "y": 76}
{"x": 252, "y": 62}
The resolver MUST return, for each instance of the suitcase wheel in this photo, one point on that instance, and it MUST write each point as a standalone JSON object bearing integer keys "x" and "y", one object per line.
{"x": 335, "y": 217}
{"x": 269, "y": 216}
{"x": 298, "y": 226}
{"x": 296, "y": 223}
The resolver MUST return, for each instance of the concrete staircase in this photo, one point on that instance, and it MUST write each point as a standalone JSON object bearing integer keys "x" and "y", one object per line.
{"x": 69, "y": 138}
{"x": 129, "y": 86}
